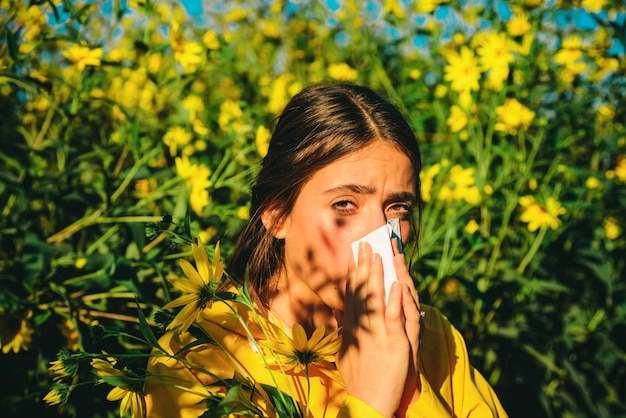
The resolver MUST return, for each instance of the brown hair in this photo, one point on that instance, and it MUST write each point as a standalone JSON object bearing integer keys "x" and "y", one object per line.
{"x": 319, "y": 125}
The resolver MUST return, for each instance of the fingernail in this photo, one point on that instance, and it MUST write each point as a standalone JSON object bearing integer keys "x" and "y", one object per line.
{"x": 362, "y": 247}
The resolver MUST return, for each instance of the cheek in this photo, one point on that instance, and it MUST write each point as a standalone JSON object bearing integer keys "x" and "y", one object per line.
{"x": 405, "y": 231}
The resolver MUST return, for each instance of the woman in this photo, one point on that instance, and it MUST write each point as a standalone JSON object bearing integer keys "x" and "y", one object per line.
{"x": 341, "y": 163}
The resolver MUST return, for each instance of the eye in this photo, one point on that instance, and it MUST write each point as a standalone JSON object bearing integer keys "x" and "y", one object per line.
{"x": 403, "y": 211}
{"x": 344, "y": 207}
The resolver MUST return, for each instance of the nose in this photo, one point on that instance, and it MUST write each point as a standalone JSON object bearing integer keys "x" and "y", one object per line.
{"x": 377, "y": 219}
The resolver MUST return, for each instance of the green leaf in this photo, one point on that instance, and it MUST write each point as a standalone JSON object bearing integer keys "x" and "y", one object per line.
{"x": 237, "y": 401}
{"x": 13, "y": 48}
{"x": 283, "y": 404}
{"x": 145, "y": 329}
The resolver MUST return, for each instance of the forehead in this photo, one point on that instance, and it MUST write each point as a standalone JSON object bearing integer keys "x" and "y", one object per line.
{"x": 377, "y": 164}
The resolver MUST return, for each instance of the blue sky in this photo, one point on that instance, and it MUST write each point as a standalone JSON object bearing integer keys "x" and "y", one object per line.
{"x": 578, "y": 18}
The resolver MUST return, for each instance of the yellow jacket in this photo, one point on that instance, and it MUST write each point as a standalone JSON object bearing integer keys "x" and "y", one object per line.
{"x": 451, "y": 387}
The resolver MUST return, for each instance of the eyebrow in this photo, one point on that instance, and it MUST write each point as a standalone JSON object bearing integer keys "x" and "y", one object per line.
{"x": 354, "y": 188}
{"x": 363, "y": 189}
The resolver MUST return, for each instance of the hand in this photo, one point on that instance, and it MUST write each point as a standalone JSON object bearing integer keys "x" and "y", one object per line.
{"x": 412, "y": 314}
{"x": 377, "y": 356}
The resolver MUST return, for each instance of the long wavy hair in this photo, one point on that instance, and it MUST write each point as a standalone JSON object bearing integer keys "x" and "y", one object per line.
{"x": 319, "y": 125}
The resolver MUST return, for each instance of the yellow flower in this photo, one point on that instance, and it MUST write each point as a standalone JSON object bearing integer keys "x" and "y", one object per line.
{"x": 81, "y": 56}
{"x": 210, "y": 40}
{"x": 270, "y": 28}
{"x": 131, "y": 395}
{"x": 69, "y": 331}
{"x": 279, "y": 91}
{"x": 592, "y": 183}
{"x": 243, "y": 213}
{"x": 459, "y": 184}
{"x": 462, "y": 70}
{"x": 426, "y": 179}
{"x": 207, "y": 234}
{"x": 65, "y": 366}
{"x": 619, "y": 172}
{"x": 571, "y": 56}
{"x": 32, "y": 20}
{"x": 298, "y": 352}
{"x": 236, "y": 14}
{"x": 471, "y": 227}
{"x": 440, "y": 91}
{"x": 457, "y": 120}
{"x": 495, "y": 56}
{"x": 428, "y": 6}
{"x": 194, "y": 105}
{"x": 593, "y": 6}
{"x": 518, "y": 25}
{"x": 15, "y": 332}
{"x": 187, "y": 54}
{"x": 199, "y": 287}
{"x": 612, "y": 228}
{"x": 198, "y": 127}
{"x": 176, "y": 136}
{"x": 394, "y": 7}
{"x": 513, "y": 116}
{"x": 262, "y": 140}
{"x": 342, "y": 72}
{"x": 194, "y": 174}
{"x": 494, "y": 51}
{"x": 130, "y": 400}
{"x": 538, "y": 216}
{"x": 58, "y": 395}
{"x": 230, "y": 114}
{"x": 80, "y": 262}
{"x": 198, "y": 198}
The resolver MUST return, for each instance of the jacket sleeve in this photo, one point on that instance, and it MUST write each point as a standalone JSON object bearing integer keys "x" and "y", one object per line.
{"x": 354, "y": 407}
{"x": 172, "y": 389}
{"x": 451, "y": 386}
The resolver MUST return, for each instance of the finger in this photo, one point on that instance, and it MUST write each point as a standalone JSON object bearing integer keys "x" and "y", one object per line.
{"x": 348, "y": 316}
{"x": 393, "y": 311}
{"x": 403, "y": 275}
{"x": 413, "y": 321}
{"x": 362, "y": 272}
{"x": 375, "y": 292}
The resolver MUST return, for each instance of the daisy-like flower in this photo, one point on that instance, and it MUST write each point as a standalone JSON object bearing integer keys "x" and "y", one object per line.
{"x": 15, "y": 332}
{"x": 513, "y": 116}
{"x": 81, "y": 56}
{"x": 187, "y": 53}
{"x": 459, "y": 184}
{"x": 298, "y": 352}
{"x": 64, "y": 366}
{"x": 537, "y": 215}
{"x": 342, "y": 72}
{"x": 58, "y": 395}
{"x": 199, "y": 287}
{"x": 462, "y": 71}
{"x": 131, "y": 394}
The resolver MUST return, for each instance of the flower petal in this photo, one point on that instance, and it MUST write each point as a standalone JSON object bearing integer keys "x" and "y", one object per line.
{"x": 116, "y": 393}
{"x": 299, "y": 337}
{"x": 181, "y": 301}
{"x": 202, "y": 260}
{"x": 191, "y": 273}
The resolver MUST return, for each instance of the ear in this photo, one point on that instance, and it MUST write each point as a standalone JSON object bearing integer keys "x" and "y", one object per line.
{"x": 273, "y": 223}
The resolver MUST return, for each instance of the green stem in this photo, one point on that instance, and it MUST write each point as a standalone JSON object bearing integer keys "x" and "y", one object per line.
{"x": 533, "y": 249}
{"x": 308, "y": 390}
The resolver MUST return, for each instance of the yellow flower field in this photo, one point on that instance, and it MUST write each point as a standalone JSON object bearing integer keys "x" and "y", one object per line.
{"x": 131, "y": 128}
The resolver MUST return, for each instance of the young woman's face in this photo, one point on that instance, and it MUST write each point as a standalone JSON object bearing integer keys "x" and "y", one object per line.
{"x": 339, "y": 204}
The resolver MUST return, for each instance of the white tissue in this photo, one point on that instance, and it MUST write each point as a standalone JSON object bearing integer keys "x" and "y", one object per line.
{"x": 380, "y": 240}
